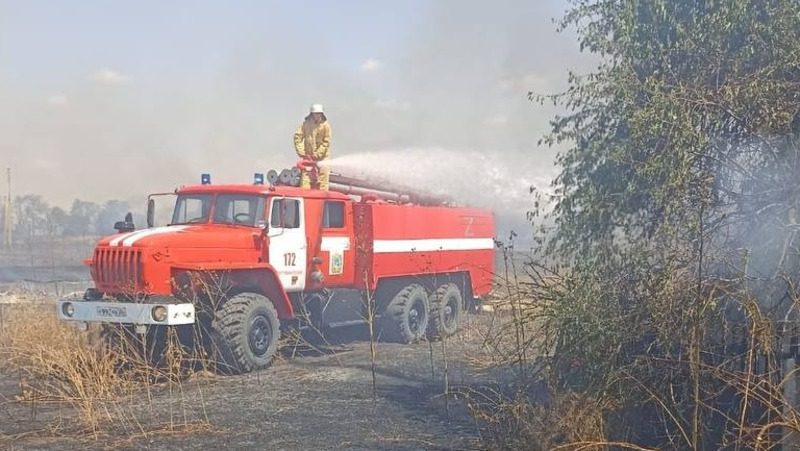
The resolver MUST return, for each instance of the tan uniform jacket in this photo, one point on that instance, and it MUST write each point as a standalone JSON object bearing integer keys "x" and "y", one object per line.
{"x": 313, "y": 140}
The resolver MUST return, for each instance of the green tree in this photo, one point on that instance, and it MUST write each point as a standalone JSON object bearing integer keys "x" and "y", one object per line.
{"x": 676, "y": 210}
{"x": 695, "y": 103}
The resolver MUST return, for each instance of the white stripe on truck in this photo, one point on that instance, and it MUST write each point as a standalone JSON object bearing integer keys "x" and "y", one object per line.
{"x": 335, "y": 243}
{"x": 129, "y": 240}
{"x": 116, "y": 240}
{"x": 430, "y": 245}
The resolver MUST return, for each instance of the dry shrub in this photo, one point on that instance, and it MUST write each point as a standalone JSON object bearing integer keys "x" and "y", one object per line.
{"x": 688, "y": 365}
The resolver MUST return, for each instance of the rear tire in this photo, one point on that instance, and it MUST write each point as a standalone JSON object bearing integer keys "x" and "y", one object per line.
{"x": 447, "y": 307}
{"x": 405, "y": 319}
{"x": 245, "y": 333}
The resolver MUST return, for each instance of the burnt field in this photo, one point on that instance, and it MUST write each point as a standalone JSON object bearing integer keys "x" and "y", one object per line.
{"x": 57, "y": 393}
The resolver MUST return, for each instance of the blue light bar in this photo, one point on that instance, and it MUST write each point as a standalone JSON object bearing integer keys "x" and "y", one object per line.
{"x": 258, "y": 178}
{"x": 205, "y": 179}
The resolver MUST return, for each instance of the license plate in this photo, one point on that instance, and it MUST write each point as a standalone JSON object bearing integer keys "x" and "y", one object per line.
{"x": 111, "y": 312}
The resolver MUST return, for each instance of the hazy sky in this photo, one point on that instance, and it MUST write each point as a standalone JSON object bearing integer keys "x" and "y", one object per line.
{"x": 112, "y": 99}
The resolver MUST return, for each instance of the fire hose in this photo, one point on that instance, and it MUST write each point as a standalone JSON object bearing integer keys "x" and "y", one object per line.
{"x": 351, "y": 186}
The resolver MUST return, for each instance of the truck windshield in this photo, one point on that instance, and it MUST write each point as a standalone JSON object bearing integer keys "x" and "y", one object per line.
{"x": 192, "y": 208}
{"x": 242, "y": 209}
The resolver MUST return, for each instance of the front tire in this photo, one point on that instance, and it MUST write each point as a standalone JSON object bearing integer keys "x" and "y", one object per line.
{"x": 406, "y": 317}
{"x": 245, "y": 333}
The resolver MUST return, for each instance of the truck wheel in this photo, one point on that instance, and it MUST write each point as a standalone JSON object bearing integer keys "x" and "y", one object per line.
{"x": 406, "y": 317}
{"x": 245, "y": 333}
{"x": 447, "y": 306}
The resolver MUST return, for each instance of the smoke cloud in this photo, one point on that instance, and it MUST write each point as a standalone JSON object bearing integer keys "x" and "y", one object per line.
{"x": 444, "y": 83}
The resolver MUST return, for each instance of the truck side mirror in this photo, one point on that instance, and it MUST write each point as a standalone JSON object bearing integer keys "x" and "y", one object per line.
{"x": 151, "y": 211}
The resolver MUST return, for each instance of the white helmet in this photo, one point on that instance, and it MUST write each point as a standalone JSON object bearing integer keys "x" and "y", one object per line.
{"x": 316, "y": 108}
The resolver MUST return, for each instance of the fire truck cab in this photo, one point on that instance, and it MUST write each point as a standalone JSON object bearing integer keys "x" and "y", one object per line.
{"x": 248, "y": 260}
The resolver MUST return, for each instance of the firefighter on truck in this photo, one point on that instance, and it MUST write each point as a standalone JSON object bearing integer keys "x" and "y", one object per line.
{"x": 312, "y": 142}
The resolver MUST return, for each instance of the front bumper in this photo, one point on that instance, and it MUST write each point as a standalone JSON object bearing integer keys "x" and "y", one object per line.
{"x": 125, "y": 312}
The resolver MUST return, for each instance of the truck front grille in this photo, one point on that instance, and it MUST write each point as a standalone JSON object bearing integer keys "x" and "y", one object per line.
{"x": 118, "y": 269}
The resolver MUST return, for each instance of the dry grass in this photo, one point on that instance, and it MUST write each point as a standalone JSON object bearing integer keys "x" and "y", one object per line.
{"x": 519, "y": 423}
{"x": 57, "y": 363}
{"x": 106, "y": 387}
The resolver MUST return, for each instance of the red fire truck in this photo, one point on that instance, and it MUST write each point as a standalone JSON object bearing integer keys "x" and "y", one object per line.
{"x": 249, "y": 260}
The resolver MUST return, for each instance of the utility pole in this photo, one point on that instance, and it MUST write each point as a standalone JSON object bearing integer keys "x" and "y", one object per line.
{"x": 8, "y": 223}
